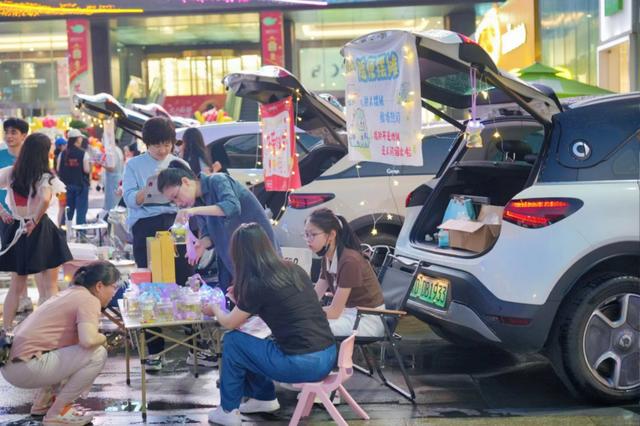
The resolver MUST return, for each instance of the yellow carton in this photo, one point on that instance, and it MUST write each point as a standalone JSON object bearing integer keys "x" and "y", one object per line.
{"x": 161, "y": 257}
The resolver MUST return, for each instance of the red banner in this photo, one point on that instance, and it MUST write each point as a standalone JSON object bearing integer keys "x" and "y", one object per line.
{"x": 279, "y": 159}
{"x": 272, "y": 37}
{"x": 78, "y": 43}
{"x": 186, "y": 106}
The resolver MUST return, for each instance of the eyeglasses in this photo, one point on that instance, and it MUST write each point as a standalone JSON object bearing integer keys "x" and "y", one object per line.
{"x": 309, "y": 236}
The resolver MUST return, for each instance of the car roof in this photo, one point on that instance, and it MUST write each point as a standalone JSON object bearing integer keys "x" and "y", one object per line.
{"x": 605, "y": 99}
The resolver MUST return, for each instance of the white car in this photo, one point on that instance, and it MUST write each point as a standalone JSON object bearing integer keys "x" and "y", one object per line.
{"x": 563, "y": 276}
{"x": 371, "y": 196}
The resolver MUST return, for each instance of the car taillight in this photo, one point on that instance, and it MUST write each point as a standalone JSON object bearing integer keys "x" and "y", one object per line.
{"x": 407, "y": 200}
{"x": 539, "y": 212}
{"x": 304, "y": 201}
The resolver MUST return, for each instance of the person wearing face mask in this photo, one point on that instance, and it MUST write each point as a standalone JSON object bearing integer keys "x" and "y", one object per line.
{"x": 145, "y": 217}
{"x": 345, "y": 273}
{"x": 59, "y": 350}
{"x": 221, "y": 203}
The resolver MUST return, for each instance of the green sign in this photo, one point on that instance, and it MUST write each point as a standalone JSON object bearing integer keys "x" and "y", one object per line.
{"x": 611, "y": 7}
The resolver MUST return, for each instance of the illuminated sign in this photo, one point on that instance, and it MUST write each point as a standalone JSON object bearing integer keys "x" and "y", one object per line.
{"x": 30, "y": 9}
{"x": 507, "y": 34}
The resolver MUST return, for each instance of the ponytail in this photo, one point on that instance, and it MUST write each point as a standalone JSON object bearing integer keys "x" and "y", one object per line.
{"x": 328, "y": 221}
{"x": 100, "y": 271}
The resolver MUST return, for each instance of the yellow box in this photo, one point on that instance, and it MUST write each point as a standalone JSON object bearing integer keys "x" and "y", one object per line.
{"x": 154, "y": 258}
{"x": 167, "y": 248}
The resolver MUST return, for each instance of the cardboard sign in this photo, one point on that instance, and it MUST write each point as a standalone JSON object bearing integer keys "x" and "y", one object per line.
{"x": 279, "y": 162}
{"x": 383, "y": 100}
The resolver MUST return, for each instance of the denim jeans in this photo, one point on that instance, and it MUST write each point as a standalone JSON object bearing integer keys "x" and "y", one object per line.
{"x": 249, "y": 366}
{"x": 77, "y": 201}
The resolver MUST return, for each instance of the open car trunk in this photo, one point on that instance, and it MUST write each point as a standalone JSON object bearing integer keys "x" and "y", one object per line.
{"x": 316, "y": 116}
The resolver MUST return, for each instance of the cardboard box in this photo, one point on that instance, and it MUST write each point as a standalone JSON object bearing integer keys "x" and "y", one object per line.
{"x": 475, "y": 235}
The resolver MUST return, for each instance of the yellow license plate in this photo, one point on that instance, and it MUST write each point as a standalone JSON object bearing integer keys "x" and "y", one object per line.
{"x": 429, "y": 290}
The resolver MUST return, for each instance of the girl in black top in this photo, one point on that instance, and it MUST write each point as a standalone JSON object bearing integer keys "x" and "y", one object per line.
{"x": 280, "y": 292}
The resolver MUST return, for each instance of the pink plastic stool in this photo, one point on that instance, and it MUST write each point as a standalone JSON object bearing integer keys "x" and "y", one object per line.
{"x": 323, "y": 389}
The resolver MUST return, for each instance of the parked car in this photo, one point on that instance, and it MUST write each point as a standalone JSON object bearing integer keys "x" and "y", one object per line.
{"x": 563, "y": 276}
{"x": 342, "y": 185}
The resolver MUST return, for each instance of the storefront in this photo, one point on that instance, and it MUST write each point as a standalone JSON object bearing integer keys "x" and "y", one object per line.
{"x": 176, "y": 52}
{"x": 569, "y": 37}
{"x": 33, "y": 67}
{"x": 619, "y": 45}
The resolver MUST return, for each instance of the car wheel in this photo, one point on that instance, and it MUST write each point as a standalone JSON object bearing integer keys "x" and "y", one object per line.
{"x": 600, "y": 339}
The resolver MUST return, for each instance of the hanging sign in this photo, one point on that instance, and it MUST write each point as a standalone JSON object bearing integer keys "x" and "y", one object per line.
{"x": 79, "y": 44}
{"x": 272, "y": 38}
{"x": 383, "y": 100}
{"x": 279, "y": 160}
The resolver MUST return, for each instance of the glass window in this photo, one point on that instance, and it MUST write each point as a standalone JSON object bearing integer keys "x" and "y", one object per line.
{"x": 243, "y": 151}
{"x": 507, "y": 142}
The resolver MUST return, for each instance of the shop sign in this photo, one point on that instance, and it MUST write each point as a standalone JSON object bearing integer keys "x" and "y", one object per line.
{"x": 383, "y": 100}
{"x": 79, "y": 50}
{"x": 28, "y": 83}
{"x": 186, "y": 106}
{"x": 62, "y": 72}
{"x": 507, "y": 34}
{"x": 272, "y": 37}
{"x": 279, "y": 159}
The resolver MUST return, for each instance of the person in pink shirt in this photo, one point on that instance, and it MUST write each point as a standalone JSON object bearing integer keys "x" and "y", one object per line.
{"x": 58, "y": 349}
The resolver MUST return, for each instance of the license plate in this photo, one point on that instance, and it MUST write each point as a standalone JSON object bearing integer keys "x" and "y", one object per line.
{"x": 429, "y": 290}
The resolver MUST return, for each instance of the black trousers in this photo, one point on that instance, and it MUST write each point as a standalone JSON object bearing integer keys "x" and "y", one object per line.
{"x": 148, "y": 227}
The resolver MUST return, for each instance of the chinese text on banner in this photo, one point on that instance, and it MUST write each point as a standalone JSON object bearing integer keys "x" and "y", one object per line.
{"x": 383, "y": 99}
{"x": 279, "y": 158}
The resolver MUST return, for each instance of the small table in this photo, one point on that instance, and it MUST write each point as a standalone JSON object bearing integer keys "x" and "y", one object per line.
{"x": 138, "y": 329}
{"x": 98, "y": 226}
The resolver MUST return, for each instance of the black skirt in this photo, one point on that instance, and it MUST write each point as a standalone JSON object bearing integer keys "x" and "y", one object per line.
{"x": 44, "y": 249}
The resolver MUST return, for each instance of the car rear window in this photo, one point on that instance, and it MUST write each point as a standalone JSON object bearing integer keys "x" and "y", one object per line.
{"x": 514, "y": 142}
{"x": 243, "y": 151}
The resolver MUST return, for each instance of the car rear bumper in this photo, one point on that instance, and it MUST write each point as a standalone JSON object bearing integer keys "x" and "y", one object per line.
{"x": 473, "y": 313}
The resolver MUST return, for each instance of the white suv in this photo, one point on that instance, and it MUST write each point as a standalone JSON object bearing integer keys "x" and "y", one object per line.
{"x": 563, "y": 275}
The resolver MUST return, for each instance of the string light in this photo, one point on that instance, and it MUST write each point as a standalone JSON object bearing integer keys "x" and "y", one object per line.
{"x": 374, "y": 231}
{"x": 389, "y": 216}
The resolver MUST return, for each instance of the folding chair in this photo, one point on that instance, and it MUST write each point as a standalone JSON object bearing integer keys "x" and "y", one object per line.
{"x": 396, "y": 285}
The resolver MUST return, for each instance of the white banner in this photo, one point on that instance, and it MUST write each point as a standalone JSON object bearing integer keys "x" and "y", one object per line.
{"x": 383, "y": 100}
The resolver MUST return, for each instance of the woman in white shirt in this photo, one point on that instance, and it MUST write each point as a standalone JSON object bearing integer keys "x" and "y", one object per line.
{"x": 31, "y": 242}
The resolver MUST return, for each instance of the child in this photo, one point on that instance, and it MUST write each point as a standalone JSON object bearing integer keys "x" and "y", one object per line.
{"x": 31, "y": 242}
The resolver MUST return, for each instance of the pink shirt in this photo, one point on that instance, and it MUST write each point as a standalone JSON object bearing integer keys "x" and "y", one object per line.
{"x": 30, "y": 208}
{"x": 54, "y": 325}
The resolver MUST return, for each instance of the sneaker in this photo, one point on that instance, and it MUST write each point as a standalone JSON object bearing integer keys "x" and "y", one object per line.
{"x": 69, "y": 416}
{"x": 43, "y": 401}
{"x": 251, "y": 406}
{"x": 25, "y": 305}
{"x": 205, "y": 359}
{"x": 154, "y": 363}
{"x": 221, "y": 417}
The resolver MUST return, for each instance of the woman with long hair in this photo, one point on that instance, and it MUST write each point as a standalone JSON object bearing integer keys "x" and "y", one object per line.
{"x": 191, "y": 148}
{"x": 58, "y": 349}
{"x": 345, "y": 272}
{"x": 280, "y": 292}
{"x": 31, "y": 242}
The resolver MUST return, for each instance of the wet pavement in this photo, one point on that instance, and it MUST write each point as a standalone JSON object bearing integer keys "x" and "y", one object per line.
{"x": 475, "y": 386}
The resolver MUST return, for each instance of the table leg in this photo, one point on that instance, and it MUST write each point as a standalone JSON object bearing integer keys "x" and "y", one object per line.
{"x": 194, "y": 342}
{"x": 127, "y": 355}
{"x": 142, "y": 347}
